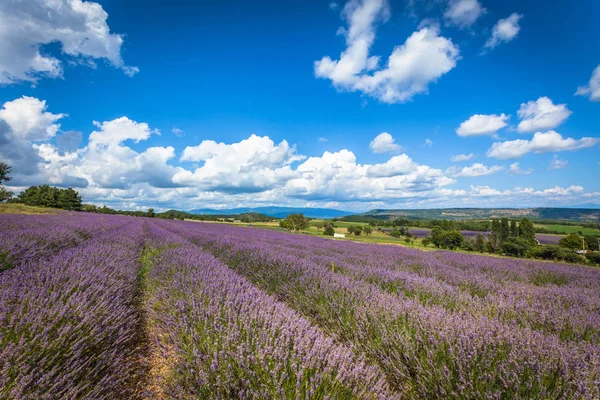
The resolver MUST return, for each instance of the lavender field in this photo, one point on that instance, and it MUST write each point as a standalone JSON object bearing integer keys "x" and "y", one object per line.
{"x": 113, "y": 307}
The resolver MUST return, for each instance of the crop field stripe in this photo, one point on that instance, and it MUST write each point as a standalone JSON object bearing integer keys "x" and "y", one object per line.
{"x": 32, "y": 239}
{"x": 239, "y": 342}
{"x": 334, "y": 308}
{"x": 68, "y": 327}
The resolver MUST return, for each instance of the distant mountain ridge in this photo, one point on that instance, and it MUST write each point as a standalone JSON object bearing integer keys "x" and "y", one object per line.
{"x": 276, "y": 212}
{"x": 568, "y": 214}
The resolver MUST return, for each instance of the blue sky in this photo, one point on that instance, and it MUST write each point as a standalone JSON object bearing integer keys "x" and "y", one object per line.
{"x": 354, "y": 105}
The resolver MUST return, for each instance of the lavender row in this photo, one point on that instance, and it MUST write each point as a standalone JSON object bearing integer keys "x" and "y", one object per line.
{"x": 231, "y": 340}
{"x": 424, "y": 350}
{"x": 26, "y": 239}
{"x": 69, "y": 325}
{"x": 553, "y": 299}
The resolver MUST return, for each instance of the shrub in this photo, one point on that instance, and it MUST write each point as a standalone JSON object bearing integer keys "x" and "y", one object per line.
{"x": 328, "y": 231}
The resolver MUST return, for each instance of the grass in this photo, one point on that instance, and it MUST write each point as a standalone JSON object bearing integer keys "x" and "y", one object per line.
{"x": 13, "y": 208}
{"x": 569, "y": 229}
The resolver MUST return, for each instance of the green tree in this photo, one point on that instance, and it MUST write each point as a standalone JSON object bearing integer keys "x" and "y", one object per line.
{"x": 514, "y": 230}
{"x": 350, "y": 229}
{"x": 5, "y": 171}
{"x": 550, "y": 252}
{"x": 89, "y": 208}
{"x": 50, "y": 196}
{"x": 504, "y": 230}
{"x": 395, "y": 233}
{"x": 572, "y": 242}
{"x": 150, "y": 213}
{"x": 295, "y": 222}
{"x": 515, "y": 246}
{"x": 452, "y": 239}
{"x": 69, "y": 199}
{"x": 368, "y": 230}
{"x": 479, "y": 244}
{"x": 593, "y": 258}
{"x": 319, "y": 225}
{"x": 5, "y": 194}
{"x": 527, "y": 231}
{"x": 436, "y": 236}
{"x": 358, "y": 230}
{"x": 592, "y": 242}
{"x": 329, "y": 231}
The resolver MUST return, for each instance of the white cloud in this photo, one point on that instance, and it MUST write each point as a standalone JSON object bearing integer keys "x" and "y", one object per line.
{"x": 24, "y": 121}
{"x": 118, "y": 130}
{"x": 474, "y": 170}
{"x": 338, "y": 176}
{"x": 177, "y": 132}
{"x": 384, "y": 143}
{"x": 463, "y": 13}
{"x": 504, "y": 31}
{"x": 323, "y": 139}
{"x": 555, "y": 193}
{"x": 480, "y": 124}
{"x": 80, "y": 28}
{"x": 428, "y": 143}
{"x": 541, "y": 114}
{"x": 411, "y": 67}
{"x": 542, "y": 142}
{"x": 516, "y": 170}
{"x": 253, "y": 171}
{"x": 557, "y": 163}
{"x": 28, "y": 119}
{"x": 253, "y": 164}
{"x": 397, "y": 165}
{"x": 592, "y": 89}
{"x": 463, "y": 157}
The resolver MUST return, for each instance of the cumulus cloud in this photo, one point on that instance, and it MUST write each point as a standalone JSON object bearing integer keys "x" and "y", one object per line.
{"x": 504, "y": 31}
{"x": 516, "y": 170}
{"x": 480, "y": 125}
{"x": 592, "y": 89}
{"x": 397, "y": 165}
{"x": 119, "y": 130}
{"x": 411, "y": 67}
{"x": 384, "y": 143}
{"x": 337, "y": 176}
{"x": 474, "y": 170}
{"x": 541, "y": 114}
{"x": 542, "y": 142}
{"x": 25, "y": 121}
{"x": 557, "y": 163}
{"x": 253, "y": 171}
{"x": 253, "y": 164}
{"x": 428, "y": 143}
{"x": 28, "y": 119}
{"x": 463, "y": 157}
{"x": 80, "y": 28}
{"x": 463, "y": 13}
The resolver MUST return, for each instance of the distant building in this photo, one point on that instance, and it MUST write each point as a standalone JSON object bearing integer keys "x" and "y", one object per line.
{"x": 339, "y": 235}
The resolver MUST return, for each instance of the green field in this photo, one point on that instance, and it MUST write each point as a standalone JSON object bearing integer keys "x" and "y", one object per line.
{"x": 577, "y": 229}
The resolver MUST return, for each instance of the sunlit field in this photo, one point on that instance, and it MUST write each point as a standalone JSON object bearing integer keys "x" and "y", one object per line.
{"x": 106, "y": 307}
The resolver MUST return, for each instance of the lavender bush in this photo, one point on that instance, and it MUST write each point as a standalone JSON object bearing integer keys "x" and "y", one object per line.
{"x": 104, "y": 307}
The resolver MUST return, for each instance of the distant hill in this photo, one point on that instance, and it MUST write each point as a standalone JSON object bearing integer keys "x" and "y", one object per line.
{"x": 276, "y": 212}
{"x": 566, "y": 214}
